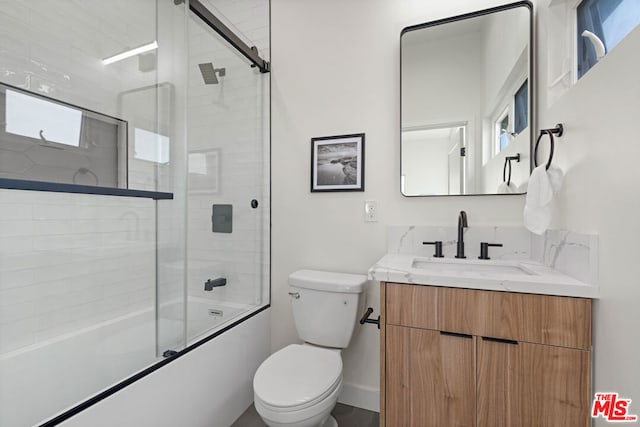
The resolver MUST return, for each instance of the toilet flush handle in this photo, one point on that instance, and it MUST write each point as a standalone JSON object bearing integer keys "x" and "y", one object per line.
{"x": 296, "y": 295}
{"x": 365, "y": 318}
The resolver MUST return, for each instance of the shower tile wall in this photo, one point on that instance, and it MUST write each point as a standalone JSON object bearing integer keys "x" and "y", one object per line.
{"x": 69, "y": 261}
{"x": 65, "y": 269}
{"x": 228, "y": 119}
{"x": 56, "y": 49}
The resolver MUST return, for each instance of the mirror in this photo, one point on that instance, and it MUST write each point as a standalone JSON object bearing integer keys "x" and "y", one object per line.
{"x": 466, "y": 103}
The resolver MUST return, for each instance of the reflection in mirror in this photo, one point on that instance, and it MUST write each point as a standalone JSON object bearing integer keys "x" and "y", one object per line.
{"x": 466, "y": 103}
{"x": 435, "y": 165}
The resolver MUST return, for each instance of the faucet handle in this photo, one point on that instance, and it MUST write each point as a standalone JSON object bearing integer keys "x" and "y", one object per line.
{"x": 484, "y": 249}
{"x": 438, "y": 245}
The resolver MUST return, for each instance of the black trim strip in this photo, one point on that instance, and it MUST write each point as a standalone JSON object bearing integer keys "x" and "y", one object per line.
{"x": 500, "y": 340}
{"x": 455, "y": 334}
{"x": 522, "y": 3}
{"x": 251, "y": 53}
{"x": 132, "y": 379}
{"x": 20, "y": 184}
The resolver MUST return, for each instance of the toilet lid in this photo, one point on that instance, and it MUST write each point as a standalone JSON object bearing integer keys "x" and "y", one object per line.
{"x": 297, "y": 375}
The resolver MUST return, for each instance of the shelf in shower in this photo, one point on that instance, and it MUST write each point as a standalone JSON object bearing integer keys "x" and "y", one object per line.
{"x": 19, "y": 184}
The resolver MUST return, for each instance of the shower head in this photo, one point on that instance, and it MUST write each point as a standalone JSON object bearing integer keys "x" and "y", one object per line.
{"x": 209, "y": 73}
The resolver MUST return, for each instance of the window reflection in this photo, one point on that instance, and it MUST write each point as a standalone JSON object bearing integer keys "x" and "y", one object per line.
{"x": 151, "y": 146}
{"x": 41, "y": 119}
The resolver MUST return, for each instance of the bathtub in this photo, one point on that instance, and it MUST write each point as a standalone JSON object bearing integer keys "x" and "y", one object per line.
{"x": 44, "y": 379}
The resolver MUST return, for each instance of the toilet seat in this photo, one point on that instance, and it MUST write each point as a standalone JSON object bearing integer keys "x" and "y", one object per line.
{"x": 309, "y": 416}
{"x": 297, "y": 377}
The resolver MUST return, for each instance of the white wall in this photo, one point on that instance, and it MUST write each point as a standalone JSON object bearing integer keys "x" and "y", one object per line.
{"x": 209, "y": 387}
{"x": 598, "y": 154}
{"x": 335, "y": 71}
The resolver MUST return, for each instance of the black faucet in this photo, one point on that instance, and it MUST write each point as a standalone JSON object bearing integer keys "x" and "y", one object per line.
{"x": 462, "y": 224}
{"x": 214, "y": 283}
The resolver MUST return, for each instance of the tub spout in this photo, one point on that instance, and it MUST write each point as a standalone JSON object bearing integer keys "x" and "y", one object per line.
{"x": 214, "y": 283}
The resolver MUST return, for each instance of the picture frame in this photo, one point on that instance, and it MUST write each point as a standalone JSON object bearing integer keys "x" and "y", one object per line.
{"x": 337, "y": 163}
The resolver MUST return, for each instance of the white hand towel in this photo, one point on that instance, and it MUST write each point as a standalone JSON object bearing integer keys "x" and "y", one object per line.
{"x": 543, "y": 184}
{"x": 555, "y": 178}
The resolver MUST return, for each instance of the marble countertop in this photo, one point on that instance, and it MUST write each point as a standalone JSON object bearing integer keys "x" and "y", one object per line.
{"x": 524, "y": 276}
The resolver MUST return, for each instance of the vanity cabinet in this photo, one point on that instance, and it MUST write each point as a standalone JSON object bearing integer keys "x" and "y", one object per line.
{"x": 463, "y": 357}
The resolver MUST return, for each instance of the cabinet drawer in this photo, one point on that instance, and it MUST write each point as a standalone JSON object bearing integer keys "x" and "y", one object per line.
{"x": 412, "y": 305}
{"x": 541, "y": 319}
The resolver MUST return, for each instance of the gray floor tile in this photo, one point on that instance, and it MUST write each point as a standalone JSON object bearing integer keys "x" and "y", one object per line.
{"x": 345, "y": 415}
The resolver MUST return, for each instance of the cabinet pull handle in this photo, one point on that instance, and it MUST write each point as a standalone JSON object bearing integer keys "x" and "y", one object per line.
{"x": 455, "y": 334}
{"x": 501, "y": 340}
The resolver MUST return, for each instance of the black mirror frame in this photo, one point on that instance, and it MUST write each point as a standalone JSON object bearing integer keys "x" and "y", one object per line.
{"x": 532, "y": 80}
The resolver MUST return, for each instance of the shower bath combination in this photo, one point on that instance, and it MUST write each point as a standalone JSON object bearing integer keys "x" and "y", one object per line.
{"x": 121, "y": 240}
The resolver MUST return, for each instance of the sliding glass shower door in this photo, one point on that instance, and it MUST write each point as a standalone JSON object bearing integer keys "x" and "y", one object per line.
{"x": 228, "y": 185}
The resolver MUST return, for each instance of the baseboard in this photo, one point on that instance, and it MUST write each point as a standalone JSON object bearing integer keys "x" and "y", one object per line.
{"x": 360, "y": 396}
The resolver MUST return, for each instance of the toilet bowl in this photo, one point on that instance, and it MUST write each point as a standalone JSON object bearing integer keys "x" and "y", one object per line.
{"x": 299, "y": 385}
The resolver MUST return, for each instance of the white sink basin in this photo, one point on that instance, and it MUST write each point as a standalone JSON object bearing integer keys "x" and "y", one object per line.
{"x": 471, "y": 267}
{"x": 512, "y": 275}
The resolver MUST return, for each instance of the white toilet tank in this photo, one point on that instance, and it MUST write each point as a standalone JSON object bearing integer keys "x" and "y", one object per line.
{"x": 326, "y": 305}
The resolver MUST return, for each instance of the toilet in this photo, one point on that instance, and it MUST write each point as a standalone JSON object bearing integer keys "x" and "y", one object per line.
{"x": 299, "y": 385}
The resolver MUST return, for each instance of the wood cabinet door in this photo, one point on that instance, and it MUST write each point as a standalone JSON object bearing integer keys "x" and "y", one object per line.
{"x": 532, "y": 385}
{"x": 430, "y": 378}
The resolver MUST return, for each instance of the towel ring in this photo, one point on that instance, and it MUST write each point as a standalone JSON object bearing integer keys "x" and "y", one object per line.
{"x": 558, "y": 130}
{"x": 507, "y": 160}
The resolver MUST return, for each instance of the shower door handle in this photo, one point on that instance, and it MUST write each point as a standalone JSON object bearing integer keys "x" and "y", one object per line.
{"x": 295, "y": 295}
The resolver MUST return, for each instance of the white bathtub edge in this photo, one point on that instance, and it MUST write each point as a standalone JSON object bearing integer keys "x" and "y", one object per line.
{"x": 210, "y": 386}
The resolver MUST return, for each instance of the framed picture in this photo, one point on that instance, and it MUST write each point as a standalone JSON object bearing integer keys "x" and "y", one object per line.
{"x": 204, "y": 171}
{"x": 337, "y": 163}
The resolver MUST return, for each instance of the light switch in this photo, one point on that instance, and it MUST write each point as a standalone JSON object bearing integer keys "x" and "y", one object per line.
{"x": 371, "y": 211}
